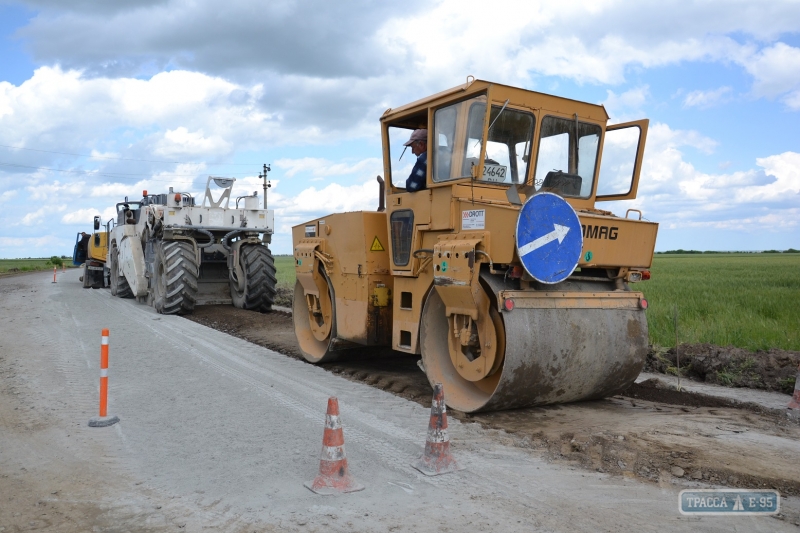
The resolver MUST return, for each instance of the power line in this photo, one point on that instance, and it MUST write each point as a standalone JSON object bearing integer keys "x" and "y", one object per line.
{"x": 127, "y": 159}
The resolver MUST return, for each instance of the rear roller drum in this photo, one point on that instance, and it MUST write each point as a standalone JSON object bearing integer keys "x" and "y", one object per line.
{"x": 314, "y": 321}
{"x": 530, "y": 357}
{"x": 257, "y": 290}
{"x": 175, "y": 284}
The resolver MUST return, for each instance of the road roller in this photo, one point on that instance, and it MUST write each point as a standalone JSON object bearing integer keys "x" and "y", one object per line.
{"x": 488, "y": 254}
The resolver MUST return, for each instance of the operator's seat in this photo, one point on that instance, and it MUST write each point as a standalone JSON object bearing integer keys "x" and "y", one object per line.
{"x": 561, "y": 182}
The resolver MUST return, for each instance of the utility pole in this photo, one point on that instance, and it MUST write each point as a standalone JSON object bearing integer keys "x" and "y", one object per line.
{"x": 267, "y": 184}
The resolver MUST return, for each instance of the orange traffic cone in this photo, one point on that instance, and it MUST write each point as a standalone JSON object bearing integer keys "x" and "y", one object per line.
{"x": 794, "y": 403}
{"x": 437, "y": 458}
{"x": 333, "y": 477}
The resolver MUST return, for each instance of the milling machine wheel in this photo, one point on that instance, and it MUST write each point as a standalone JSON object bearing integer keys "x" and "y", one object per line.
{"x": 315, "y": 321}
{"x": 257, "y": 290}
{"x": 175, "y": 284}
{"x": 549, "y": 354}
{"x": 119, "y": 285}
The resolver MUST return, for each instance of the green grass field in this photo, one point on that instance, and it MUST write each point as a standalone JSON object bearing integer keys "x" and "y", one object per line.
{"x": 284, "y": 265}
{"x": 27, "y": 265}
{"x": 745, "y": 300}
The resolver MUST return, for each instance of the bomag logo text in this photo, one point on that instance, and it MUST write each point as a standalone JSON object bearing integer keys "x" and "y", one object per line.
{"x": 600, "y": 232}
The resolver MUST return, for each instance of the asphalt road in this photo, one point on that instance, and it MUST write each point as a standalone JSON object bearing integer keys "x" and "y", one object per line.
{"x": 219, "y": 433}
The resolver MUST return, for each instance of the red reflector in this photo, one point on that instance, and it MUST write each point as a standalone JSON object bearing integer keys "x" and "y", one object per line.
{"x": 178, "y": 198}
{"x": 645, "y": 275}
{"x": 509, "y": 304}
{"x": 643, "y": 303}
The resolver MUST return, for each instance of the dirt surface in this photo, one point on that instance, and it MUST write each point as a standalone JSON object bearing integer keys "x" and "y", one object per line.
{"x": 650, "y": 432}
{"x": 56, "y": 473}
{"x": 219, "y": 434}
{"x": 773, "y": 370}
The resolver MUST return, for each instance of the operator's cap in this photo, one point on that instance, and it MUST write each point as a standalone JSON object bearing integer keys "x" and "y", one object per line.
{"x": 417, "y": 135}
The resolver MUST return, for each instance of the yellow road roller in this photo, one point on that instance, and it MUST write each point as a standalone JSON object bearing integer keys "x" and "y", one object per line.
{"x": 488, "y": 254}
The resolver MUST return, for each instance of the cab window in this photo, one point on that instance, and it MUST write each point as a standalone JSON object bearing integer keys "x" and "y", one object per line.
{"x": 567, "y": 156}
{"x": 507, "y": 149}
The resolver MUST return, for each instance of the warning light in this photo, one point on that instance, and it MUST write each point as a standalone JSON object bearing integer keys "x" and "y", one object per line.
{"x": 643, "y": 303}
{"x": 508, "y": 304}
{"x": 645, "y": 275}
{"x": 178, "y": 198}
{"x": 515, "y": 272}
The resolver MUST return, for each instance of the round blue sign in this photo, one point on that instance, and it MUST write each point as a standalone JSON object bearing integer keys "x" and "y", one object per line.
{"x": 549, "y": 238}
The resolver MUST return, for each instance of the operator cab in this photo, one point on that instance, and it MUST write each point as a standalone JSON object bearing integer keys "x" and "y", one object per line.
{"x": 128, "y": 212}
{"x": 533, "y": 140}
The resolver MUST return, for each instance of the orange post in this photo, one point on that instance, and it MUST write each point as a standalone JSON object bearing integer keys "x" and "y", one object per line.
{"x": 55, "y": 268}
{"x": 103, "y": 420}
{"x": 104, "y": 373}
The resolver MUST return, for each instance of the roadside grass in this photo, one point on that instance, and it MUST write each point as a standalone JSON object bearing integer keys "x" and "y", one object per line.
{"x": 284, "y": 266}
{"x": 744, "y": 300}
{"x": 28, "y": 265}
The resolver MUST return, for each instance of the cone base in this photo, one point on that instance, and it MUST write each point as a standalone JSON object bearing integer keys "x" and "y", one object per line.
{"x": 325, "y": 487}
{"x": 435, "y": 468}
{"x": 103, "y": 421}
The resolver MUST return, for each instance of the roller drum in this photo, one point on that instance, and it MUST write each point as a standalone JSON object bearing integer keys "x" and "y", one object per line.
{"x": 555, "y": 355}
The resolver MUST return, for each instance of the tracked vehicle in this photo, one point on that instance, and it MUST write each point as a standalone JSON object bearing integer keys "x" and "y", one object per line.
{"x": 502, "y": 273}
{"x": 168, "y": 251}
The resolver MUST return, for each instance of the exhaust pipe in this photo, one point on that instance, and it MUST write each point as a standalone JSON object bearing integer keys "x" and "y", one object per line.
{"x": 381, "y": 195}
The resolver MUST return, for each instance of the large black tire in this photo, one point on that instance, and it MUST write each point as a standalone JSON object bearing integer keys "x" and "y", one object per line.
{"x": 119, "y": 285}
{"x": 259, "y": 289}
{"x": 175, "y": 282}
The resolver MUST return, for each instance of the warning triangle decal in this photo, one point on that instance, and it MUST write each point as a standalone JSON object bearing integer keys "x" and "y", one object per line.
{"x": 376, "y": 246}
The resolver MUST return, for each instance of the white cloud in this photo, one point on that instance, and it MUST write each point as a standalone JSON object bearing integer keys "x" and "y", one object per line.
{"x": 85, "y": 217}
{"x": 319, "y": 167}
{"x": 34, "y": 217}
{"x": 776, "y": 69}
{"x": 705, "y": 99}
{"x": 8, "y": 195}
{"x": 55, "y": 190}
{"x": 626, "y": 106}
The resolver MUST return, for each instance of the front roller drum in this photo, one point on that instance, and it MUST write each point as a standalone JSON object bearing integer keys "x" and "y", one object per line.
{"x": 315, "y": 322}
{"x": 548, "y": 356}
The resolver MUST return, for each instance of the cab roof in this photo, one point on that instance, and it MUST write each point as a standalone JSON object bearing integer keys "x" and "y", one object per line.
{"x": 501, "y": 92}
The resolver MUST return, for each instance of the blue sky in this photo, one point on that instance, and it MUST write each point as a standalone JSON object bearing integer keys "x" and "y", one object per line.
{"x": 101, "y": 100}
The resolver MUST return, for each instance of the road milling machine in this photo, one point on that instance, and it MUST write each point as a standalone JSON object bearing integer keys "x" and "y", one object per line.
{"x": 90, "y": 252}
{"x": 174, "y": 254}
{"x": 502, "y": 273}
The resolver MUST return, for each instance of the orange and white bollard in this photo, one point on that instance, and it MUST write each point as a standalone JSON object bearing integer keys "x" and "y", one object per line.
{"x": 103, "y": 420}
{"x": 63, "y": 267}
{"x": 55, "y": 269}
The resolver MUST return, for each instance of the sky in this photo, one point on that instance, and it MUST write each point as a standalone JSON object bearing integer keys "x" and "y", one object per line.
{"x": 101, "y": 100}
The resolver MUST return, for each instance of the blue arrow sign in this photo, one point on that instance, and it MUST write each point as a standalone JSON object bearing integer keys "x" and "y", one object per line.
{"x": 549, "y": 237}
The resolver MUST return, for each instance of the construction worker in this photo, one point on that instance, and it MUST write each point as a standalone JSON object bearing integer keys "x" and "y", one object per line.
{"x": 84, "y": 243}
{"x": 419, "y": 147}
